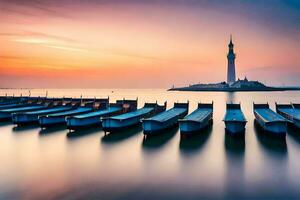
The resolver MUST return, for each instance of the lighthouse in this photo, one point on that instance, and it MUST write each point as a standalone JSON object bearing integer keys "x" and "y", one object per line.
{"x": 231, "y": 63}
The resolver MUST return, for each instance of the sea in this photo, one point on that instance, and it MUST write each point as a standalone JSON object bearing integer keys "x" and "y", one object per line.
{"x": 51, "y": 164}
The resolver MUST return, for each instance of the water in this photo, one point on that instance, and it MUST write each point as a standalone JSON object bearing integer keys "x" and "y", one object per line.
{"x": 48, "y": 164}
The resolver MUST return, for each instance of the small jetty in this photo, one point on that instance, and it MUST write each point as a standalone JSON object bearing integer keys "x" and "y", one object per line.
{"x": 270, "y": 121}
{"x": 197, "y": 120}
{"x": 60, "y": 117}
{"x": 166, "y": 119}
{"x": 234, "y": 119}
{"x": 131, "y": 118}
{"x": 291, "y": 112}
{"x": 94, "y": 118}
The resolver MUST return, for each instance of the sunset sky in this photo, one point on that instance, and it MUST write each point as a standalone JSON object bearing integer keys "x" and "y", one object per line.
{"x": 146, "y": 43}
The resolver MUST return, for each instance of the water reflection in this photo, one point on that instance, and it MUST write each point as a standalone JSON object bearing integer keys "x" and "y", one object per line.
{"x": 124, "y": 165}
{"x": 25, "y": 128}
{"x": 83, "y": 132}
{"x": 154, "y": 142}
{"x": 273, "y": 144}
{"x": 230, "y": 97}
{"x": 235, "y": 145}
{"x": 194, "y": 143}
{"x": 294, "y": 132}
{"x": 5, "y": 123}
{"x": 118, "y": 136}
{"x": 235, "y": 165}
{"x": 51, "y": 130}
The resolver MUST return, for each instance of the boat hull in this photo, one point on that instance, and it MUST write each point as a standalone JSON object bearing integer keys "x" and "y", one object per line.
{"x": 153, "y": 127}
{"x": 297, "y": 123}
{"x": 235, "y": 127}
{"x": 189, "y": 127}
{"x": 25, "y": 119}
{"x": 274, "y": 128}
{"x": 110, "y": 125}
{"x": 74, "y": 123}
{"x": 81, "y": 123}
{"x": 46, "y": 121}
{"x": 290, "y": 118}
{"x": 5, "y": 116}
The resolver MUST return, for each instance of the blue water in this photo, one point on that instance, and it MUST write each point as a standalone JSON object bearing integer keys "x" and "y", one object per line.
{"x": 52, "y": 164}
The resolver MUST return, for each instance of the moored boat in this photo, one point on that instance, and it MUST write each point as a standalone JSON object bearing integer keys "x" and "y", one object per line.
{"x": 234, "y": 119}
{"x": 197, "y": 120}
{"x": 166, "y": 119}
{"x": 291, "y": 112}
{"x": 122, "y": 121}
{"x": 270, "y": 121}
{"x": 59, "y": 118}
{"x": 6, "y": 114}
{"x": 94, "y": 118}
{"x": 33, "y": 116}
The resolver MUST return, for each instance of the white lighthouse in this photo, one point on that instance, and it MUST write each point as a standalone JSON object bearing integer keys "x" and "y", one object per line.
{"x": 231, "y": 63}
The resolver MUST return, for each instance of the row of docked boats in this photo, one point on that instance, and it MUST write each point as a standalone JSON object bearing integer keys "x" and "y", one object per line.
{"x": 83, "y": 113}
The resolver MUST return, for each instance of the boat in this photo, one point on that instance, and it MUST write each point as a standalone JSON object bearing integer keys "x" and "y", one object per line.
{"x": 59, "y": 118}
{"x": 270, "y": 121}
{"x": 166, "y": 119}
{"x": 9, "y": 102}
{"x": 129, "y": 119}
{"x": 291, "y": 112}
{"x": 94, "y": 118}
{"x": 197, "y": 120}
{"x": 234, "y": 119}
{"x": 32, "y": 117}
{"x": 6, "y": 114}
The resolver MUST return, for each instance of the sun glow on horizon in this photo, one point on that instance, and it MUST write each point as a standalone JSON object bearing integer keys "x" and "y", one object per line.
{"x": 137, "y": 45}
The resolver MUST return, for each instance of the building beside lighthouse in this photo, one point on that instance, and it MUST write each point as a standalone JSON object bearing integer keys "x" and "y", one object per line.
{"x": 231, "y": 63}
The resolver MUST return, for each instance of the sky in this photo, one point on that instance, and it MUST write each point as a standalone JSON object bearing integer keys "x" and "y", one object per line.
{"x": 146, "y": 43}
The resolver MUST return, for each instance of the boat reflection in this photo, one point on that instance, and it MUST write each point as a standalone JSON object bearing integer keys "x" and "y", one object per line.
{"x": 3, "y": 123}
{"x": 83, "y": 132}
{"x": 194, "y": 143}
{"x": 121, "y": 135}
{"x": 25, "y": 128}
{"x": 273, "y": 144}
{"x": 51, "y": 130}
{"x": 158, "y": 140}
{"x": 235, "y": 145}
{"x": 294, "y": 132}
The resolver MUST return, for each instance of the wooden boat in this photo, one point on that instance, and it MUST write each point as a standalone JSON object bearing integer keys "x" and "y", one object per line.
{"x": 94, "y": 118}
{"x": 14, "y": 105}
{"x": 6, "y": 114}
{"x": 165, "y": 119}
{"x": 197, "y": 120}
{"x": 270, "y": 121}
{"x": 291, "y": 112}
{"x": 61, "y": 117}
{"x": 9, "y": 102}
{"x": 234, "y": 119}
{"x": 33, "y": 116}
{"x": 131, "y": 118}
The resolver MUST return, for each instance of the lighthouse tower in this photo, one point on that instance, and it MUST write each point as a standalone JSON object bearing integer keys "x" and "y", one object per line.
{"x": 231, "y": 63}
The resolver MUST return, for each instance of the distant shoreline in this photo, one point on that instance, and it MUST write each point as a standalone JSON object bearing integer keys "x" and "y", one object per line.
{"x": 266, "y": 89}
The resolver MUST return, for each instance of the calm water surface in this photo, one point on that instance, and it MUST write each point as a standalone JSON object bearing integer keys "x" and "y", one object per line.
{"x": 49, "y": 164}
